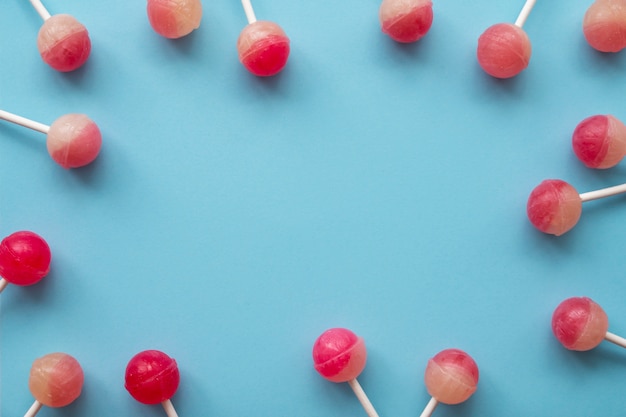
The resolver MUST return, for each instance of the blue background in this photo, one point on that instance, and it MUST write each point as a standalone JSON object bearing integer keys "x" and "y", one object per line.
{"x": 229, "y": 220}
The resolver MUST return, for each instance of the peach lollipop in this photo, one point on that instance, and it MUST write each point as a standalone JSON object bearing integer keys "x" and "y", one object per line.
{"x": 406, "y": 20}
{"x": 604, "y": 25}
{"x": 73, "y": 140}
{"x": 504, "y": 49}
{"x": 24, "y": 259}
{"x": 600, "y": 141}
{"x": 174, "y": 18}
{"x": 339, "y": 355}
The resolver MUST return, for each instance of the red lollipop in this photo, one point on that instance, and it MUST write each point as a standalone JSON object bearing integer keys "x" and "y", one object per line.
{"x": 604, "y": 25}
{"x": 600, "y": 141}
{"x": 406, "y": 20}
{"x": 152, "y": 377}
{"x": 339, "y": 356}
{"x": 24, "y": 259}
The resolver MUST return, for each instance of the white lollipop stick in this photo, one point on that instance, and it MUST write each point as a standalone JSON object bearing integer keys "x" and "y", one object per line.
{"x": 360, "y": 394}
{"x": 430, "y": 407}
{"x": 605, "y": 192}
{"x": 33, "y": 409}
{"x": 45, "y": 15}
{"x": 613, "y": 338}
{"x": 22, "y": 121}
{"x": 169, "y": 408}
{"x": 247, "y": 7}
{"x": 3, "y": 284}
{"x": 528, "y": 6}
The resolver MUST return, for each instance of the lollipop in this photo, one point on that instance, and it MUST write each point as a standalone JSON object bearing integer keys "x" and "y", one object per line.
{"x": 152, "y": 377}
{"x": 73, "y": 141}
{"x": 263, "y": 46}
{"x": 504, "y": 49}
{"x": 406, "y": 20}
{"x": 174, "y": 18}
{"x": 554, "y": 206}
{"x": 24, "y": 259}
{"x": 604, "y": 25}
{"x": 339, "y": 356}
{"x": 55, "y": 380}
{"x": 63, "y": 41}
{"x": 451, "y": 377}
{"x": 580, "y": 324}
{"x": 600, "y": 141}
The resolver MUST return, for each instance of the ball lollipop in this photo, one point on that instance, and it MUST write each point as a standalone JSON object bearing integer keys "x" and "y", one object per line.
{"x": 554, "y": 206}
{"x": 174, "y": 18}
{"x": 579, "y": 323}
{"x": 406, "y": 20}
{"x": 152, "y": 377}
{"x": 73, "y": 140}
{"x": 24, "y": 259}
{"x": 339, "y": 356}
{"x": 263, "y": 46}
{"x": 63, "y": 42}
{"x": 56, "y": 380}
{"x": 504, "y": 49}
{"x": 600, "y": 141}
{"x": 604, "y": 25}
{"x": 451, "y": 377}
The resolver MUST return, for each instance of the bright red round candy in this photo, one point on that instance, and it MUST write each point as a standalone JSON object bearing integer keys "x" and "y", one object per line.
{"x": 24, "y": 258}
{"x": 263, "y": 48}
{"x": 406, "y": 20}
{"x": 152, "y": 377}
{"x": 503, "y": 50}
{"x": 63, "y": 43}
{"x": 579, "y": 323}
{"x": 554, "y": 207}
{"x": 339, "y": 355}
{"x": 600, "y": 141}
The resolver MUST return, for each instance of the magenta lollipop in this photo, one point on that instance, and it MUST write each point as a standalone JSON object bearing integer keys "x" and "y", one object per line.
{"x": 174, "y": 18}
{"x": 24, "y": 259}
{"x": 406, "y": 20}
{"x": 504, "y": 49}
{"x": 604, "y": 25}
{"x": 600, "y": 141}
{"x": 63, "y": 41}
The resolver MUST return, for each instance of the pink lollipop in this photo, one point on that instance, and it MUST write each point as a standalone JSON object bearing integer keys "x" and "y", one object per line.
{"x": 24, "y": 259}
{"x": 174, "y": 18}
{"x": 73, "y": 141}
{"x": 263, "y": 46}
{"x": 504, "y": 49}
{"x": 152, "y": 377}
{"x": 406, "y": 20}
{"x": 451, "y": 377}
{"x": 554, "y": 206}
{"x": 55, "y": 380}
{"x": 600, "y": 141}
{"x": 604, "y": 25}
{"x": 63, "y": 41}
{"x": 339, "y": 356}
{"x": 580, "y": 324}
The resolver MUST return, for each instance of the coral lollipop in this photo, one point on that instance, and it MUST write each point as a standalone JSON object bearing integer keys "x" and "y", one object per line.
{"x": 174, "y": 18}
{"x": 24, "y": 259}
{"x": 600, "y": 141}
{"x": 604, "y": 25}
{"x": 263, "y": 46}
{"x": 63, "y": 41}
{"x": 406, "y": 20}
{"x": 73, "y": 140}
{"x": 55, "y": 380}
{"x": 451, "y": 377}
{"x": 554, "y": 206}
{"x": 504, "y": 49}
{"x": 152, "y": 377}
{"x": 581, "y": 324}
{"x": 339, "y": 356}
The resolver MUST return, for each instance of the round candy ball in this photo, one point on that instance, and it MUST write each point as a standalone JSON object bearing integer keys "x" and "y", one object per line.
{"x": 152, "y": 377}
{"x": 56, "y": 379}
{"x": 554, "y": 207}
{"x": 263, "y": 48}
{"x": 600, "y": 141}
{"x": 451, "y": 376}
{"x": 339, "y": 355}
{"x": 74, "y": 140}
{"x": 604, "y": 25}
{"x": 24, "y": 258}
{"x": 63, "y": 43}
{"x": 174, "y": 18}
{"x": 503, "y": 50}
{"x": 579, "y": 323}
{"x": 406, "y": 20}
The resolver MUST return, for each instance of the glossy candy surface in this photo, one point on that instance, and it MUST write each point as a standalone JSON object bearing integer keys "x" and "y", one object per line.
{"x": 74, "y": 140}
{"x": 56, "y": 379}
{"x": 600, "y": 141}
{"x": 451, "y": 376}
{"x": 604, "y": 25}
{"x": 263, "y": 48}
{"x": 503, "y": 50}
{"x": 63, "y": 43}
{"x": 24, "y": 258}
{"x": 152, "y": 377}
{"x": 579, "y": 323}
{"x": 174, "y": 18}
{"x": 339, "y": 355}
{"x": 406, "y": 20}
{"x": 554, "y": 207}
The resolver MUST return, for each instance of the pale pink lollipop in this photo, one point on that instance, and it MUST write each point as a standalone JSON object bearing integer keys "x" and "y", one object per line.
{"x": 554, "y": 206}
{"x": 451, "y": 377}
{"x": 55, "y": 380}
{"x": 600, "y": 141}
{"x": 504, "y": 49}
{"x": 73, "y": 140}
{"x": 406, "y": 20}
{"x": 63, "y": 41}
{"x": 339, "y": 356}
{"x": 604, "y": 25}
{"x": 174, "y": 18}
{"x": 581, "y": 324}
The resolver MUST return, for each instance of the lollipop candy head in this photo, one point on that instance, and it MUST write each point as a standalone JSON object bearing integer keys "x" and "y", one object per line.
{"x": 451, "y": 376}
{"x": 56, "y": 379}
{"x": 579, "y": 323}
{"x": 503, "y": 50}
{"x": 604, "y": 25}
{"x": 24, "y": 258}
{"x": 152, "y": 377}
{"x": 339, "y": 355}
{"x": 63, "y": 43}
{"x": 406, "y": 20}
{"x": 554, "y": 207}
{"x": 600, "y": 141}
{"x": 174, "y": 18}
{"x": 74, "y": 140}
{"x": 263, "y": 48}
